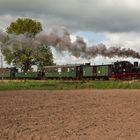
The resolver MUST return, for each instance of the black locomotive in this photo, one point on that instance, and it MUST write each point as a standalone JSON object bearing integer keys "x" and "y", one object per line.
{"x": 124, "y": 70}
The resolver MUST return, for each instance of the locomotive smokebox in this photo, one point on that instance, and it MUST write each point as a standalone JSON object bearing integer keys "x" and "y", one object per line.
{"x": 135, "y": 64}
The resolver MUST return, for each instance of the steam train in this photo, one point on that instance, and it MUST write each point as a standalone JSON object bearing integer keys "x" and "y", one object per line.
{"x": 120, "y": 70}
{"x": 125, "y": 70}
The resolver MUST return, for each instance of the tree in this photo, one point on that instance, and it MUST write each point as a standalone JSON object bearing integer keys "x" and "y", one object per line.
{"x": 24, "y": 25}
{"x": 22, "y": 49}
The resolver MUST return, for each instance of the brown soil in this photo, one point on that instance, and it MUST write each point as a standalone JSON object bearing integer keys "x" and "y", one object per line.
{"x": 70, "y": 115}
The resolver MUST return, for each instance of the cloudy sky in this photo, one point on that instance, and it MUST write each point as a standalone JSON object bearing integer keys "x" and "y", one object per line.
{"x": 112, "y": 22}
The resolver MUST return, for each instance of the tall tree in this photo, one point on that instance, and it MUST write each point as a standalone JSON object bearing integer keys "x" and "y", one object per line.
{"x": 24, "y": 25}
{"x": 22, "y": 49}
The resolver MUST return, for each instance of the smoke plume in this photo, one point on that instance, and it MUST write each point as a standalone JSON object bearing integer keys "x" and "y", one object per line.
{"x": 59, "y": 38}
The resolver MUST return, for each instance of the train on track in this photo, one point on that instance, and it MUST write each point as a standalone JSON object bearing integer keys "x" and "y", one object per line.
{"x": 120, "y": 70}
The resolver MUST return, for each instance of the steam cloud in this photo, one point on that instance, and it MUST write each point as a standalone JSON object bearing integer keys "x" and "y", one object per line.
{"x": 59, "y": 38}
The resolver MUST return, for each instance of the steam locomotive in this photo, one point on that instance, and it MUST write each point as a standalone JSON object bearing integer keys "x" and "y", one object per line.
{"x": 120, "y": 70}
{"x": 125, "y": 70}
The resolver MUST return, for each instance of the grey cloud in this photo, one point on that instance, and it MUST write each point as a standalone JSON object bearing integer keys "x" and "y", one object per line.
{"x": 91, "y": 15}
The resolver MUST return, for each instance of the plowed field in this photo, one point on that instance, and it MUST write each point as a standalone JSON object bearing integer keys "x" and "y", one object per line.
{"x": 70, "y": 115}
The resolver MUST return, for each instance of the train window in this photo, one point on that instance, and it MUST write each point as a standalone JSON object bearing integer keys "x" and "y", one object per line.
{"x": 64, "y": 69}
{"x": 68, "y": 70}
{"x": 71, "y": 69}
{"x": 99, "y": 71}
{"x": 123, "y": 64}
{"x": 50, "y": 70}
{"x": 127, "y": 64}
{"x": 55, "y": 70}
{"x": 46, "y": 70}
{"x": 59, "y": 70}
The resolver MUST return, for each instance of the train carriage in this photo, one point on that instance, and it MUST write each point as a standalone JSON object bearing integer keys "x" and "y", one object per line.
{"x": 8, "y": 73}
{"x": 28, "y": 75}
{"x": 62, "y": 72}
{"x": 87, "y": 71}
{"x": 103, "y": 72}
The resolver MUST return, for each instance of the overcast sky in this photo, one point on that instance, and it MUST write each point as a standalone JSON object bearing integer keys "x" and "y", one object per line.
{"x": 98, "y": 21}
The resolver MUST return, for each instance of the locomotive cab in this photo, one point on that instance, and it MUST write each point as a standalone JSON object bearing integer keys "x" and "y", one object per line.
{"x": 122, "y": 67}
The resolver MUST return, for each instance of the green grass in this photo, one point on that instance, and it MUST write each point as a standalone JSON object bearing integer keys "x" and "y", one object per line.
{"x": 67, "y": 85}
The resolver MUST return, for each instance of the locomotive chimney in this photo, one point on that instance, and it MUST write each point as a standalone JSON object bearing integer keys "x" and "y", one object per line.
{"x": 135, "y": 64}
